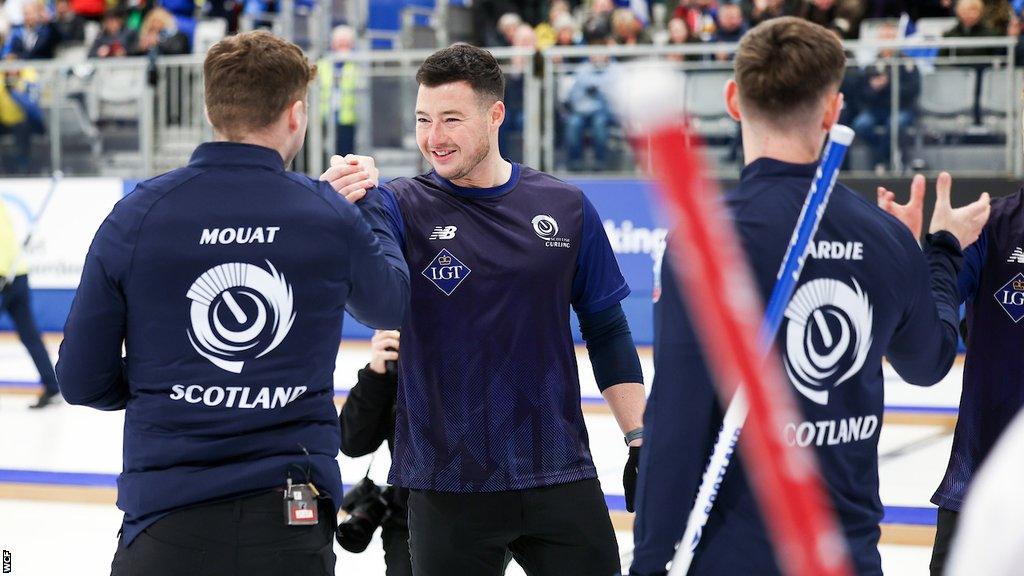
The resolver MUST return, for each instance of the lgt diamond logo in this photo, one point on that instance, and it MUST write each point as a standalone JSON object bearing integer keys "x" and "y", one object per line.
{"x": 1011, "y": 297}
{"x": 446, "y": 272}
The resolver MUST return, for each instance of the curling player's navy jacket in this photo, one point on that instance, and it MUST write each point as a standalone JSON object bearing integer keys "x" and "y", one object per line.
{"x": 226, "y": 281}
{"x": 866, "y": 291}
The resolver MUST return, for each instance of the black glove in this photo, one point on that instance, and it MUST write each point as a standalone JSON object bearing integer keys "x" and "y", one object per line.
{"x": 629, "y": 476}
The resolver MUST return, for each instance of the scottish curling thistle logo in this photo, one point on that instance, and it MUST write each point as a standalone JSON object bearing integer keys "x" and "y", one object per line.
{"x": 239, "y": 312}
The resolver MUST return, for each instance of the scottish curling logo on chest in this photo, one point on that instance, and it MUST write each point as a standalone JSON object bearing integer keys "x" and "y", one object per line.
{"x": 446, "y": 272}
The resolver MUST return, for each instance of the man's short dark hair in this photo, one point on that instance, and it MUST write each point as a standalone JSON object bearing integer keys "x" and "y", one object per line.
{"x": 785, "y": 66}
{"x": 464, "y": 63}
{"x": 251, "y": 78}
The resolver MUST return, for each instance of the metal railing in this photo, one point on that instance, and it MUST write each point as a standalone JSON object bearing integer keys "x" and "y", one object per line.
{"x": 136, "y": 117}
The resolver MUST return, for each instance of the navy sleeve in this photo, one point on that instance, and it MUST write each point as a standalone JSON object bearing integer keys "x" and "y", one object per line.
{"x": 379, "y": 275}
{"x": 924, "y": 345}
{"x": 598, "y": 283}
{"x": 970, "y": 275}
{"x": 367, "y": 416}
{"x": 611, "y": 348}
{"x": 90, "y": 369}
{"x": 380, "y": 208}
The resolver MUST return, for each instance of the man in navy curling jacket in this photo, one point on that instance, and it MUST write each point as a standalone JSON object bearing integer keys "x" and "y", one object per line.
{"x": 866, "y": 291}
{"x": 226, "y": 282}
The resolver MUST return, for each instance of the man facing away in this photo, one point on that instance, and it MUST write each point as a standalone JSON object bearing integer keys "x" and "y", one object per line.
{"x": 225, "y": 281}
{"x": 866, "y": 291}
{"x": 489, "y": 430}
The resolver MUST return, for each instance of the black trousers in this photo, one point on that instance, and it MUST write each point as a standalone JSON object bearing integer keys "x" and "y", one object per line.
{"x": 562, "y": 530}
{"x": 16, "y": 300}
{"x": 241, "y": 537}
{"x": 945, "y": 530}
{"x": 396, "y": 551}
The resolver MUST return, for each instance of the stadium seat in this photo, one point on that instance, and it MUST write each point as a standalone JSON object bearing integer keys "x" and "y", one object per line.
{"x": 947, "y": 100}
{"x": 119, "y": 91}
{"x": 934, "y": 27}
{"x": 993, "y": 96}
{"x": 208, "y": 33}
{"x": 705, "y": 103}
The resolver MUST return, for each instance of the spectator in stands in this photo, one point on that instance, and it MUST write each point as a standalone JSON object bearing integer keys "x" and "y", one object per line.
{"x": 628, "y": 29}
{"x": 37, "y": 39}
{"x": 970, "y": 25}
{"x": 547, "y": 31}
{"x": 70, "y": 25}
{"x": 731, "y": 28}
{"x": 874, "y": 98}
{"x": 598, "y": 24}
{"x": 588, "y": 111}
{"x": 996, "y": 15}
{"x": 114, "y": 39}
{"x": 838, "y": 15}
{"x": 20, "y": 116}
{"x": 701, "y": 15}
{"x": 757, "y": 11}
{"x": 338, "y": 97}
{"x": 160, "y": 35}
{"x": 507, "y": 26}
{"x": 566, "y": 34}
{"x": 679, "y": 33}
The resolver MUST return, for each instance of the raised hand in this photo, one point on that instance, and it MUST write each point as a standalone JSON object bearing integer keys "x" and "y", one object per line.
{"x": 910, "y": 213}
{"x": 965, "y": 222}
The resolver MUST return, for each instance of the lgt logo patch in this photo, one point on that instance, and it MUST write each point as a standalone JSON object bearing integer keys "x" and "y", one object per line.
{"x": 1011, "y": 297}
{"x": 446, "y": 272}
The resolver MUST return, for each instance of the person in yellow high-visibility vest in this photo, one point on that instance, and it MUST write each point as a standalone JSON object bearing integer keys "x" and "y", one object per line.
{"x": 16, "y": 301}
{"x": 338, "y": 85}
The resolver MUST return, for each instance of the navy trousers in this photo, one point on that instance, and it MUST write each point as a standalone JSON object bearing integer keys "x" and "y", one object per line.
{"x": 16, "y": 301}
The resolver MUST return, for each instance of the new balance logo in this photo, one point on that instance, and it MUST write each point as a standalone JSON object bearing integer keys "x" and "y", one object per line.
{"x": 443, "y": 233}
{"x": 1017, "y": 256}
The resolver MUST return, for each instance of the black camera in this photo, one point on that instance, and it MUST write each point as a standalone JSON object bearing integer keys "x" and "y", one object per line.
{"x": 367, "y": 506}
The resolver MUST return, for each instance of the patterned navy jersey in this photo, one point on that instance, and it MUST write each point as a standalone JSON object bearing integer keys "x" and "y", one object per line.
{"x": 992, "y": 285}
{"x": 488, "y": 395}
{"x": 865, "y": 291}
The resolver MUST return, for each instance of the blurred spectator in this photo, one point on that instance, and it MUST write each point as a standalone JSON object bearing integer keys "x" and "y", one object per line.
{"x": 731, "y": 27}
{"x": 36, "y": 39}
{"x": 160, "y": 35}
{"x": 589, "y": 112}
{"x": 136, "y": 12}
{"x": 547, "y": 31}
{"x": 507, "y": 26}
{"x": 838, "y": 15}
{"x": 628, "y": 29}
{"x": 970, "y": 25}
{"x": 679, "y": 33}
{"x": 69, "y": 24}
{"x": 598, "y": 25}
{"x": 874, "y": 99}
{"x": 701, "y": 15}
{"x": 91, "y": 9}
{"x": 565, "y": 34}
{"x": 114, "y": 39}
{"x": 20, "y": 116}
{"x": 757, "y": 11}
{"x": 338, "y": 89}
{"x": 996, "y": 15}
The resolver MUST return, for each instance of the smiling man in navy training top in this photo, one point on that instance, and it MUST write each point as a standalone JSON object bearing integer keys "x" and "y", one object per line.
{"x": 866, "y": 291}
{"x": 226, "y": 281}
{"x": 489, "y": 430}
